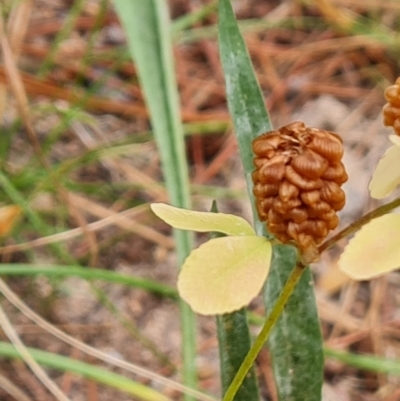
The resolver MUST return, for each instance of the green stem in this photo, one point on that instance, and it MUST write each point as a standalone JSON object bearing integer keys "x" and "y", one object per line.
{"x": 284, "y": 296}
{"x": 356, "y": 225}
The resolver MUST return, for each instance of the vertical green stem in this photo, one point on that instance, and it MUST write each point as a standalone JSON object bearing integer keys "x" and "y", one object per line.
{"x": 265, "y": 331}
{"x": 147, "y": 26}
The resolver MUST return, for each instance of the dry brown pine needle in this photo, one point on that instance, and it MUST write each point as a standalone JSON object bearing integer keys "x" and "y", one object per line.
{"x": 391, "y": 110}
{"x": 297, "y": 184}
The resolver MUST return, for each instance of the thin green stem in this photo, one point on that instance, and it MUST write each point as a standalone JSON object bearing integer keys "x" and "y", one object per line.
{"x": 356, "y": 225}
{"x": 280, "y": 303}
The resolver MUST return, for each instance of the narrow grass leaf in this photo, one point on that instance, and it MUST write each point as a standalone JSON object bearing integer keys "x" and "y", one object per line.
{"x": 95, "y": 373}
{"x": 184, "y": 219}
{"x": 386, "y": 176}
{"x": 245, "y": 100}
{"x": 374, "y": 250}
{"x": 147, "y": 27}
{"x": 189, "y": 19}
{"x": 88, "y": 274}
{"x": 234, "y": 343}
{"x": 224, "y": 274}
{"x": 247, "y": 108}
{"x": 366, "y": 362}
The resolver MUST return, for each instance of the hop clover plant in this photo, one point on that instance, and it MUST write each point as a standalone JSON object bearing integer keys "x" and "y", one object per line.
{"x": 226, "y": 273}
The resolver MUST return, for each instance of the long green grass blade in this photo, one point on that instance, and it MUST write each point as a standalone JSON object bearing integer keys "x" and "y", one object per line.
{"x": 147, "y": 28}
{"x": 295, "y": 378}
{"x": 366, "y": 362}
{"x": 95, "y": 373}
{"x": 234, "y": 344}
{"x": 88, "y": 274}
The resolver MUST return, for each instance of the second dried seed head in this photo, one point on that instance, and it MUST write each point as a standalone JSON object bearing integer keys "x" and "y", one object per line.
{"x": 391, "y": 110}
{"x": 297, "y": 179}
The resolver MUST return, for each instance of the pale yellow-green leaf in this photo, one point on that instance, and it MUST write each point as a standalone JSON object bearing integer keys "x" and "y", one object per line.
{"x": 374, "y": 250}
{"x": 395, "y": 139}
{"x": 386, "y": 176}
{"x": 202, "y": 221}
{"x": 225, "y": 274}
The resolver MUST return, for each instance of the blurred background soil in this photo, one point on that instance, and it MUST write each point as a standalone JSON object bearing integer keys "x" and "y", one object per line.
{"x": 326, "y": 63}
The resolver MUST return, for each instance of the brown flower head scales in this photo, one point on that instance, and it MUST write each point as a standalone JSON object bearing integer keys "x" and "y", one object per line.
{"x": 391, "y": 110}
{"x": 297, "y": 178}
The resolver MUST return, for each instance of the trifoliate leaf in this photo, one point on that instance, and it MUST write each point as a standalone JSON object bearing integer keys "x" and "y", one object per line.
{"x": 8, "y": 217}
{"x": 202, "y": 221}
{"x": 225, "y": 274}
{"x": 386, "y": 176}
{"x": 374, "y": 250}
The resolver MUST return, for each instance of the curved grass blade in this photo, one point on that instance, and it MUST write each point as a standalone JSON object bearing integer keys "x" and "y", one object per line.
{"x": 366, "y": 362}
{"x": 95, "y": 373}
{"x": 187, "y": 20}
{"x": 88, "y": 274}
{"x": 246, "y": 105}
{"x": 147, "y": 27}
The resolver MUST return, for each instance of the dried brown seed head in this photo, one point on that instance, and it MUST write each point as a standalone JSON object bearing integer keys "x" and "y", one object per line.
{"x": 297, "y": 215}
{"x": 317, "y": 209}
{"x": 391, "y": 110}
{"x": 316, "y": 228}
{"x": 287, "y": 191}
{"x": 327, "y": 144}
{"x": 336, "y": 206}
{"x": 284, "y": 207}
{"x": 336, "y": 173}
{"x": 331, "y": 219}
{"x": 310, "y": 197}
{"x": 265, "y": 145}
{"x": 390, "y": 114}
{"x": 272, "y": 171}
{"x": 274, "y": 217}
{"x": 297, "y": 179}
{"x": 300, "y": 181}
{"x": 310, "y": 164}
{"x": 331, "y": 192}
{"x": 392, "y": 95}
{"x": 265, "y": 190}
